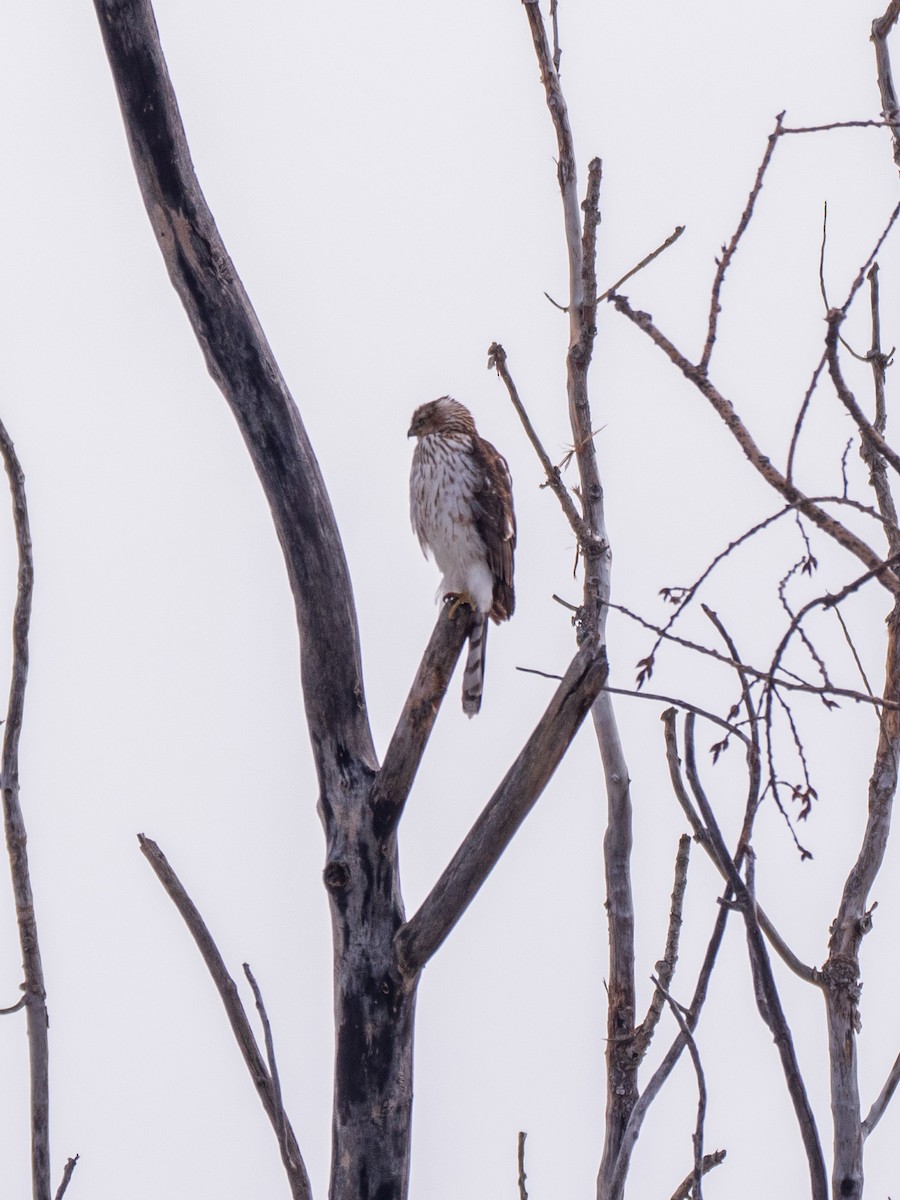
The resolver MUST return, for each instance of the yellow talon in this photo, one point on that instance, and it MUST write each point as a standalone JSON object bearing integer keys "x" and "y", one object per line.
{"x": 456, "y": 600}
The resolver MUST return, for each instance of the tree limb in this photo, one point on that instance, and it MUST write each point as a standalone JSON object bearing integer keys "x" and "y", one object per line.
{"x": 878, "y": 1109}
{"x": 683, "y": 1191}
{"x": 881, "y": 27}
{"x": 725, "y": 409}
{"x": 701, "y": 1090}
{"x": 510, "y": 804}
{"x": 784, "y": 952}
{"x": 767, "y": 997}
{"x": 16, "y": 839}
{"x": 69, "y": 1168}
{"x": 665, "y": 968}
{"x": 404, "y": 753}
{"x": 237, "y": 1018}
{"x": 729, "y": 251}
{"x": 242, "y": 364}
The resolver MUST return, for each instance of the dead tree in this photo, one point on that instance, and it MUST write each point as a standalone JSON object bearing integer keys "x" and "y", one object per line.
{"x": 378, "y": 953}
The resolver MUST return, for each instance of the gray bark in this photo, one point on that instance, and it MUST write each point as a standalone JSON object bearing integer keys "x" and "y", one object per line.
{"x": 374, "y": 986}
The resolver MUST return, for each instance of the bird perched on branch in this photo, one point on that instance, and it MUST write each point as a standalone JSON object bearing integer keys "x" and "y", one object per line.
{"x": 460, "y": 502}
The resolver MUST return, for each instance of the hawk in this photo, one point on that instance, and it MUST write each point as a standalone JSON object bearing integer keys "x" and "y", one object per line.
{"x": 460, "y": 503}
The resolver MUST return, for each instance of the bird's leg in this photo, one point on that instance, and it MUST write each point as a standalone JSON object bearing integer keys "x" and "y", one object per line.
{"x": 456, "y": 600}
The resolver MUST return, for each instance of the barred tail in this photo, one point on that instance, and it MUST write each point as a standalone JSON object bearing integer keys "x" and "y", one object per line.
{"x": 473, "y": 676}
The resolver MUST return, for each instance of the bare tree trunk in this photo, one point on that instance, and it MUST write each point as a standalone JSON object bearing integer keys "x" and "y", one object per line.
{"x": 377, "y": 954}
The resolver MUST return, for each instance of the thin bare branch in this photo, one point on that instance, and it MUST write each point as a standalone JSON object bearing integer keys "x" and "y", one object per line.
{"x": 697, "y": 1137}
{"x": 881, "y": 27}
{"x": 281, "y": 1117}
{"x": 520, "y": 1156}
{"x": 13, "y": 1008}
{"x": 870, "y": 434}
{"x": 729, "y": 251}
{"x": 877, "y": 1111}
{"x": 586, "y": 537}
{"x": 69, "y": 1168}
{"x": 785, "y": 681}
{"x": 670, "y": 240}
{"x": 727, "y": 866}
{"x": 761, "y": 462}
{"x": 621, "y": 1072}
{"x": 619, "y": 1171}
{"x": 870, "y": 124}
{"x": 683, "y": 1191}
{"x": 767, "y": 997}
{"x": 665, "y": 968}
{"x": 685, "y": 705}
{"x": 798, "y": 424}
{"x": 237, "y": 1016}
{"x": 510, "y": 804}
{"x": 878, "y": 476}
{"x": 16, "y": 838}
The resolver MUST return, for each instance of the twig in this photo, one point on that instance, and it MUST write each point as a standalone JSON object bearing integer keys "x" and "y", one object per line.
{"x": 657, "y": 1080}
{"x": 686, "y": 706}
{"x": 16, "y": 838}
{"x": 789, "y": 469}
{"x": 871, "y": 124}
{"x": 877, "y": 1111}
{"x": 767, "y": 997}
{"x": 666, "y": 966}
{"x": 727, "y": 866}
{"x": 729, "y": 251}
{"x": 67, "y": 1175}
{"x": 520, "y": 1155}
{"x": 881, "y": 27}
{"x": 697, "y": 1137}
{"x": 670, "y": 240}
{"x": 683, "y": 1191}
{"x": 5, "y": 1012}
{"x": 878, "y": 476}
{"x": 554, "y": 23}
{"x": 586, "y": 538}
{"x": 761, "y": 462}
{"x": 795, "y": 683}
{"x": 237, "y": 1016}
{"x": 754, "y": 769}
{"x": 281, "y": 1127}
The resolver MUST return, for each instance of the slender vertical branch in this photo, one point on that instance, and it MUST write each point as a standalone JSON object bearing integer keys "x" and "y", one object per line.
{"x": 520, "y": 1158}
{"x": 881, "y": 27}
{"x": 697, "y": 1138}
{"x": 852, "y": 923}
{"x": 767, "y": 998}
{"x": 581, "y": 238}
{"x": 16, "y": 838}
{"x": 729, "y": 251}
{"x": 878, "y": 475}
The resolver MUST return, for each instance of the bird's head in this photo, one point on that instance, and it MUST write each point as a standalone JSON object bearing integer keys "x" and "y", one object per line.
{"x": 445, "y": 415}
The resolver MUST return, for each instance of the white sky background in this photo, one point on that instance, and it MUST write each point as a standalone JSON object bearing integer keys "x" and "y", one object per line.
{"x": 383, "y": 177}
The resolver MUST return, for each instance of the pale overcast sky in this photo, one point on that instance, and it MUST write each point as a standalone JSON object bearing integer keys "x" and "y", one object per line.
{"x": 384, "y": 179}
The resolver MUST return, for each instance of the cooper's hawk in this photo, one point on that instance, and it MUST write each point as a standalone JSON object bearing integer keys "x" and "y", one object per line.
{"x": 460, "y": 502}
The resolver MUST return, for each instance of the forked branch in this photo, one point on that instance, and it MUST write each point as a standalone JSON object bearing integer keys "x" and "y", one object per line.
{"x": 510, "y": 804}
{"x": 263, "y": 1079}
